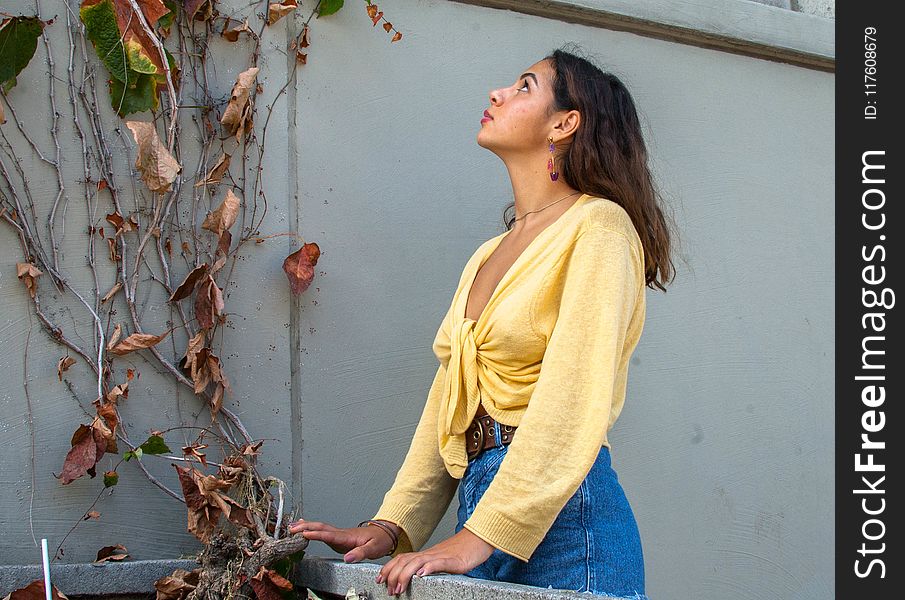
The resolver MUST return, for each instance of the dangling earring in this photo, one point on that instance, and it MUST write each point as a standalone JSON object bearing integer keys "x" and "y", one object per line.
{"x": 553, "y": 174}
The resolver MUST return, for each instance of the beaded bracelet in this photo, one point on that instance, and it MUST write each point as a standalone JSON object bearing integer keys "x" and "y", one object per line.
{"x": 385, "y": 528}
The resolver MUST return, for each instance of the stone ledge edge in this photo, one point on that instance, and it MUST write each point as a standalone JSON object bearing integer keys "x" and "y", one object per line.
{"x": 136, "y": 578}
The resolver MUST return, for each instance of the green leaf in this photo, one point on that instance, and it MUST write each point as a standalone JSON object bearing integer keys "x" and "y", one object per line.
{"x": 18, "y": 41}
{"x": 154, "y": 445}
{"x": 166, "y": 21}
{"x": 138, "y": 58}
{"x": 111, "y": 478}
{"x": 130, "y": 454}
{"x": 328, "y": 7}
{"x": 139, "y": 96}
{"x": 103, "y": 31}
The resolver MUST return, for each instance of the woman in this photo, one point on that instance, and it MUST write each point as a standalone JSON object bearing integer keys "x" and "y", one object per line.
{"x": 533, "y": 355}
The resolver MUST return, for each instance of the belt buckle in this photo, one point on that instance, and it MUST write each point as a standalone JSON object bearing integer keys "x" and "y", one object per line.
{"x": 477, "y": 434}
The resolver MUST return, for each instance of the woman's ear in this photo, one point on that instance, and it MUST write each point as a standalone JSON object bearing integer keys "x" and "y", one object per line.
{"x": 568, "y": 123}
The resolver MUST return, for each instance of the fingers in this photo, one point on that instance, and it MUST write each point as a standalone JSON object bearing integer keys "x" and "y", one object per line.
{"x": 303, "y": 525}
{"x": 398, "y": 572}
{"x": 367, "y": 550}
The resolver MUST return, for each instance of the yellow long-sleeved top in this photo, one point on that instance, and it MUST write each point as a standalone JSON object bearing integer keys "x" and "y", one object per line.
{"x": 549, "y": 354}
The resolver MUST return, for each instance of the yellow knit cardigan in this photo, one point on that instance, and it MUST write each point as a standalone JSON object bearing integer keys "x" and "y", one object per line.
{"x": 550, "y": 354}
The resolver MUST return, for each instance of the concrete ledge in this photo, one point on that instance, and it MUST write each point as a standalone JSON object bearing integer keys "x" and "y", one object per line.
{"x": 325, "y": 575}
{"x": 118, "y": 579}
{"x": 736, "y": 26}
{"x": 334, "y": 576}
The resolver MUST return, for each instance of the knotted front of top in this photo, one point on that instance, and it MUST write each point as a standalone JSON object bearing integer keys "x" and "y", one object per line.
{"x": 461, "y": 396}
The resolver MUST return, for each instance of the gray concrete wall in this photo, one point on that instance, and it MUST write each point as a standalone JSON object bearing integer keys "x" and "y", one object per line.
{"x": 725, "y": 447}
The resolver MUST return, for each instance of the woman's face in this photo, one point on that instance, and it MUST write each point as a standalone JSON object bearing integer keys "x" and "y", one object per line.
{"x": 519, "y": 120}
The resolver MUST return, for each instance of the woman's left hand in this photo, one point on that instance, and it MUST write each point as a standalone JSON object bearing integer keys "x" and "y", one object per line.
{"x": 458, "y": 554}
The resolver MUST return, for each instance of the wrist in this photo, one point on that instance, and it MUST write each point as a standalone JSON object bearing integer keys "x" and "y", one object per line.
{"x": 388, "y": 527}
{"x": 396, "y": 528}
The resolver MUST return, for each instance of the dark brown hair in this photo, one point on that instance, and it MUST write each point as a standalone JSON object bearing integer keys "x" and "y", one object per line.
{"x": 607, "y": 156}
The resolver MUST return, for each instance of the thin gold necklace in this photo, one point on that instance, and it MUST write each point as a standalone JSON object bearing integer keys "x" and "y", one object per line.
{"x": 551, "y": 204}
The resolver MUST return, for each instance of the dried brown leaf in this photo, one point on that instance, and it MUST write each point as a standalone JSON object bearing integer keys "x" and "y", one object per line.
{"x": 63, "y": 365}
{"x": 226, "y": 239}
{"x": 92, "y": 514}
{"x": 82, "y": 457}
{"x": 188, "y": 284}
{"x": 122, "y": 225}
{"x": 276, "y": 11}
{"x": 114, "y": 255}
{"x": 36, "y": 591}
{"x": 114, "y": 337}
{"x": 116, "y": 287}
{"x": 279, "y": 581}
{"x": 237, "y": 116}
{"x": 218, "y": 265}
{"x": 217, "y": 399}
{"x": 196, "y": 343}
{"x": 118, "y": 391}
{"x": 195, "y": 451}
{"x": 29, "y": 273}
{"x": 252, "y": 449}
{"x": 263, "y": 587}
{"x": 397, "y": 37}
{"x": 232, "y": 35}
{"x": 208, "y": 303}
{"x": 199, "y": 10}
{"x": 157, "y": 166}
{"x": 112, "y": 553}
{"x": 223, "y": 217}
{"x": 201, "y": 374}
{"x": 299, "y": 267}
{"x": 178, "y": 585}
{"x": 137, "y": 341}
{"x": 221, "y": 166}
{"x": 107, "y": 419}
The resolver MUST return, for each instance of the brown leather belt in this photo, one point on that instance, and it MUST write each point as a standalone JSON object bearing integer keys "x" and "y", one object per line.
{"x": 480, "y": 435}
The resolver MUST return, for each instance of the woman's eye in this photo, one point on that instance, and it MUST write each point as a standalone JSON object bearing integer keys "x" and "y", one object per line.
{"x": 524, "y": 87}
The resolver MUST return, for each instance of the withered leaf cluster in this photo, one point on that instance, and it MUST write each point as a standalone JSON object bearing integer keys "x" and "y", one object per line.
{"x": 90, "y": 442}
{"x": 268, "y": 584}
{"x": 178, "y": 585}
{"x": 206, "y": 500}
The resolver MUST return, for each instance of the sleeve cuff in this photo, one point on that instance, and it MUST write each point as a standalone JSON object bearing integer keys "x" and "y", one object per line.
{"x": 501, "y": 532}
{"x": 413, "y": 535}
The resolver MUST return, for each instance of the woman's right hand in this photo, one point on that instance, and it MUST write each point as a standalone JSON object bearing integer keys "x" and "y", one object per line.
{"x": 356, "y": 543}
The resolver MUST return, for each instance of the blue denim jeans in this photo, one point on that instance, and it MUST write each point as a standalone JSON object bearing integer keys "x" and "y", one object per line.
{"x": 593, "y": 545}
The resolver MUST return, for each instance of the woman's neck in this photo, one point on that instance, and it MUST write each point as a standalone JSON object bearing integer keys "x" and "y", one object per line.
{"x": 533, "y": 190}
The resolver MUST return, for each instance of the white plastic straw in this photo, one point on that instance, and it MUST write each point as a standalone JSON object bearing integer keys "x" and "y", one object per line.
{"x": 46, "y": 560}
